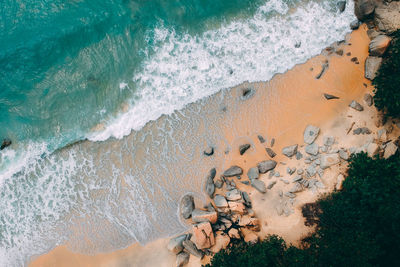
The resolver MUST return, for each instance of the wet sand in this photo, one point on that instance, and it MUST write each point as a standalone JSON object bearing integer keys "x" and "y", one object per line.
{"x": 301, "y": 102}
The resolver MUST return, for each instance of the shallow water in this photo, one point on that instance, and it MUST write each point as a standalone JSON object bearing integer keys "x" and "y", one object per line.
{"x": 136, "y": 61}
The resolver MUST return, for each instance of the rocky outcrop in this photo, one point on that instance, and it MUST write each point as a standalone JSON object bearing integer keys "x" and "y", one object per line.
{"x": 364, "y": 9}
{"x": 372, "y": 65}
{"x": 378, "y": 46}
{"x": 387, "y": 17}
{"x": 187, "y": 206}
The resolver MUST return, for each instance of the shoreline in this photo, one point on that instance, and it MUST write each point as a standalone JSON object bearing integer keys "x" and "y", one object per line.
{"x": 335, "y": 77}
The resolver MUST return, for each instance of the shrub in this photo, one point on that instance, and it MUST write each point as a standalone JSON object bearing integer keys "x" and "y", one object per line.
{"x": 387, "y": 81}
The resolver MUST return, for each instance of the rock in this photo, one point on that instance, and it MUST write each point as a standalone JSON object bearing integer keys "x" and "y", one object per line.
{"x": 259, "y": 185}
{"x": 372, "y": 65}
{"x": 382, "y": 135}
{"x": 387, "y": 17}
{"x": 203, "y": 235}
{"x": 175, "y": 244}
{"x": 368, "y": 99}
{"x": 343, "y": 154}
{"x": 272, "y": 142}
{"x": 267, "y": 165}
{"x": 182, "y": 259}
{"x": 261, "y": 139}
{"x": 290, "y": 171}
{"x": 310, "y": 134}
{"x": 249, "y": 236}
{"x": 372, "y": 149}
{"x": 372, "y": 33}
{"x": 253, "y": 173}
{"x": 233, "y": 171}
{"x": 339, "y": 182}
{"x": 271, "y": 184}
{"x": 378, "y": 46}
{"x": 341, "y": 6}
{"x": 6, "y": 143}
{"x": 299, "y": 155}
{"x": 328, "y": 160}
{"x": 246, "y": 198}
{"x": 320, "y": 173}
{"x": 289, "y": 151}
{"x": 312, "y": 149}
{"x": 237, "y": 207}
{"x": 187, "y": 206}
{"x": 296, "y": 188}
{"x": 221, "y": 242}
{"x": 290, "y": 195}
{"x": 324, "y": 68}
{"x": 329, "y": 140}
{"x": 243, "y": 148}
{"x": 300, "y": 171}
{"x": 320, "y": 185}
{"x": 249, "y": 222}
{"x": 247, "y": 93}
{"x": 204, "y": 216}
{"x": 209, "y": 151}
{"x": 233, "y": 195}
{"x": 390, "y": 149}
{"x": 362, "y": 130}
{"x": 330, "y": 97}
{"x": 355, "y": 105}
{"x": 311, "y": 171}
{"x": 209, "y": 187}
{"x": 219, "y": 183}
{"x": 364, "y": 9}
{"x": 354, "y": 25}
{"x": 270, "y": 152}
{"x": 192, "y": 249}
{"x": 234, "y": 233}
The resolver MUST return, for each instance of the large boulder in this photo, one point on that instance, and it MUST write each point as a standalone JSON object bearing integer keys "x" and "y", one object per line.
{"x": 378, "y": 46}
{"x": 182, "y": 259}
{"x": 233, "y": 171}
{"x": 221, "y": 242}
{"x": 203, "y": 235}
{"x": 267, "y": 165}
{"x": 364, "y": 9}
{"x": 387, "y": 17}
{"x": 187, "y": 206}
{"x": 289, "y": 151}
{"x": 233, "y": 195}
{"x": 192, "y": 249}
{"x": 237, "y": 207}
{"x": 175, "y": 245}
{"x": 372, "y": 65}
{"x": 220, "y": 201}
{"x": 253, "y": 173}
{"x": 310, "y": 134}
{"x": 204, "y": 216}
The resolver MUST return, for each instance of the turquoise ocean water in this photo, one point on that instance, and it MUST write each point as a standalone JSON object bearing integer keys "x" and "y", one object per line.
{"x": 69, "y": 67}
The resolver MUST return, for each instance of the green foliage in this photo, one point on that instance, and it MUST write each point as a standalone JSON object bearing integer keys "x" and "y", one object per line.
{"x": 358, "y": 226}
{"x": 387, "y": 81}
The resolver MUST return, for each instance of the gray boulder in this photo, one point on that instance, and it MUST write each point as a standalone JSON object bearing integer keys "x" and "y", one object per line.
{"x": 175, "y": 244}
{"x": 378, "y": 46}
{"x": 372, "y": 65}
{"x": 233, "y": 171}
{"x": 355, "y": 105}
{"x": 199, "y": 216}
{"x": 364, "y": 9}
{"x": 182, "y": 259}
{"x": 310, "y": 134}
{"x": 233, "y": 195}
{"x": 259, "y": 185}
{"x": 253, "y": 173}
{"x": 209, "y": 186}
{"x": 312, "y": 149}
{"x": 187, "y": 206}
{"x": 387, "y": 17}
{"x": 265, "y": 166}
{"x": 192, "y": 249}
{"x": 220, "y": 201}
{"x": 289, "y": 151}
{"x": 311, "y": 171}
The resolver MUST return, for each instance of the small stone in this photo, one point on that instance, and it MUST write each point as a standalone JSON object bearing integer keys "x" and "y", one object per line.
{"x": 261, "y": 139}
{"x": 339, "y": 182}
{"x": 355, "y": 105}
{"x": 192, "y": 249}
{"x": 233, "y": 171}
{"x": 368, "y": 99}
{"x": 330, "y": 97}
{"x": 310, "y": 134}
{"x": 289, "y": 151}
{"x": 236, "y": 207}
{"x": 187, "y": 206}
{"x": 390, "y": 150}
{"x": 253, "y": 173}
{"x": 343, "y": 154}
{"x": 219, "y": 183}
{"x": 259, "y": 185}
{"x": 209, "y": 151}
{"x": 312, "y": 149}
{"x": 284, "y": 181}
{"x": 243, "y": 148}
{"x": 267, "y": 165}
{"x": 204, "y": 216}
{"x": 296, "y": 188}
{"x": 328, "y": 160}
{"x": 311, "y": 171}
{"x": 182, "y": 259}
{"x": 175, "y": 244}
{"x": 299, "y": 156}
{"x": 300, "y": 171}
{"x": 297, "y": 178}
{"x": 234, "y": 194}
{"x": 270, "y": 152}
{"x": 271, "y": 184}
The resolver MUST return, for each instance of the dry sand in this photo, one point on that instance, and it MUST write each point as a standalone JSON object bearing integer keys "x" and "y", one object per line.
{"x": 298, "y": 90}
